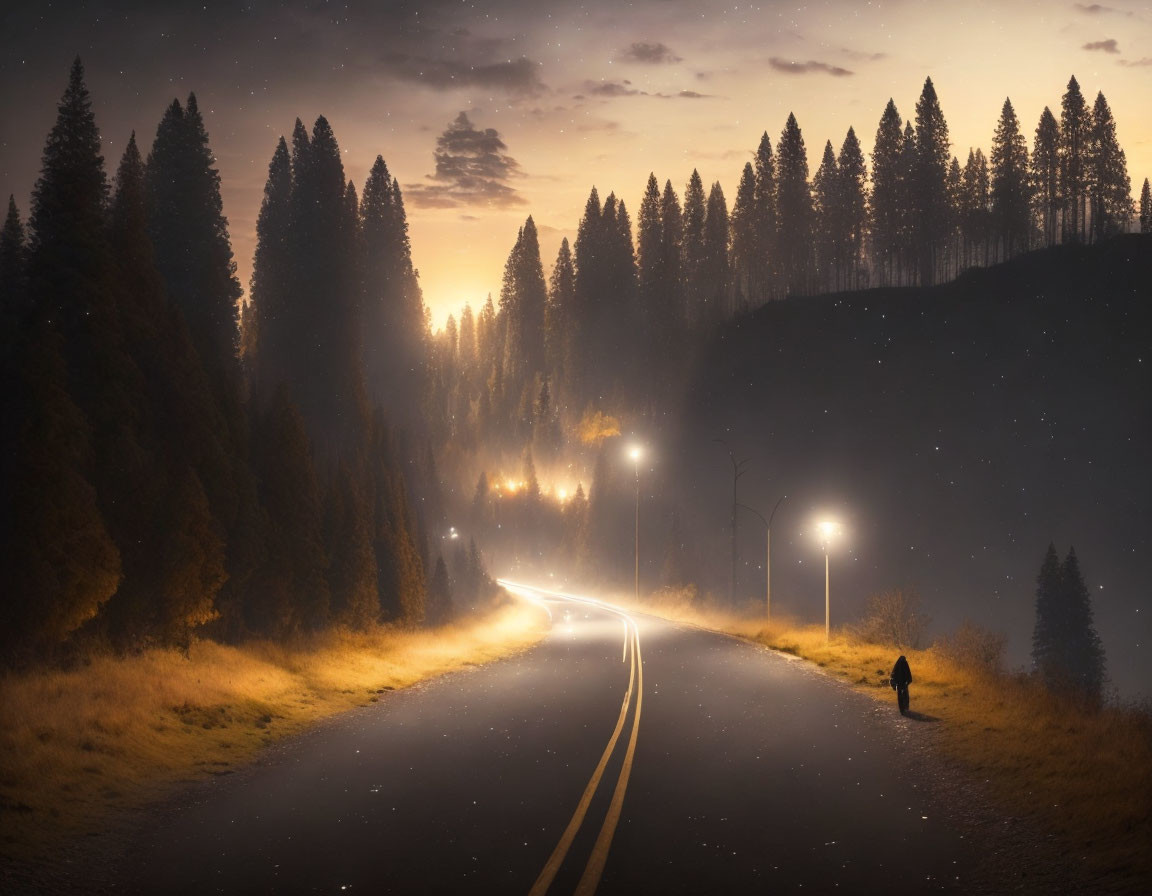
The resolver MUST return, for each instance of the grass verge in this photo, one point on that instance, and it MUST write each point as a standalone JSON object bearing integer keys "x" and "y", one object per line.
{"x": 120, "y": 732}
{"x": 1084, "y": 774}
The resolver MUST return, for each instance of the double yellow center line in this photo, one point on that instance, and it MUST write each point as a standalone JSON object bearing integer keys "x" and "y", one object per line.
{"x": 590, "y": 879}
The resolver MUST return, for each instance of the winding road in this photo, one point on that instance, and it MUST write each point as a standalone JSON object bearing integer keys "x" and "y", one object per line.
{"x": 624, "y": 754}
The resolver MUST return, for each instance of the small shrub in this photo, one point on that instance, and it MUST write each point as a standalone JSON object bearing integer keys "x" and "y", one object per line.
{"x": 893, "y": 617}
{"x": 974, "y": 647}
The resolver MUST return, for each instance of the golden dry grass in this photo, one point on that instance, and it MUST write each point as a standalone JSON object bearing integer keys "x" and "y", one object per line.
{"x": 1085, "y": 774}
{"x": 120, "y": 732}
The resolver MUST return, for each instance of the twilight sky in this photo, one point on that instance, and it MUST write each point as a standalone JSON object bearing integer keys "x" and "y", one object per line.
{"x": 488, "y": 112}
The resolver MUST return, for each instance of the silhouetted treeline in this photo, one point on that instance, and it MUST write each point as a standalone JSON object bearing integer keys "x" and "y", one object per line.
{"x": 154, "y": 486}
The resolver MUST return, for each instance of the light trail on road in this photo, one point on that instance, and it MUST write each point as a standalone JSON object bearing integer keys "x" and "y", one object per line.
{"x": 594, "y": 868}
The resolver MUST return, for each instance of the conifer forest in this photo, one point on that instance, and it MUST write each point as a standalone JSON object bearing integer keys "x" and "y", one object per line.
{"x": 268, "y": 383}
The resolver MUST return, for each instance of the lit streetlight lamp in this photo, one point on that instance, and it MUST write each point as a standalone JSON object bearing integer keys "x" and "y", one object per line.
{"x": 636, "y": 452}
{"x": 829, "y": 529}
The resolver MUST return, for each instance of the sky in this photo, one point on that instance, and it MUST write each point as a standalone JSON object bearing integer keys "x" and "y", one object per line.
{"x": 490, "y": 112}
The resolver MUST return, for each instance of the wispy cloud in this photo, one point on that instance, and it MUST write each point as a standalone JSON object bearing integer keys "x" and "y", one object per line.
{"x": 1098, "y": 9}
{"x": 649, "y": 54}
{"x": 812, "y": 66}
{"x": 518, "y": 76}
{"x": 1136, "y": 63}
{"x": 612, "y": 89}
{"x": 860, "y": 56}
{"x": 472, "y": 168}
{"x": 1103, "y": 46}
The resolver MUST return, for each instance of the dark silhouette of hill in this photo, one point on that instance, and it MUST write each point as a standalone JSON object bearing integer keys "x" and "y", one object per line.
{"x": 959, "y": 429}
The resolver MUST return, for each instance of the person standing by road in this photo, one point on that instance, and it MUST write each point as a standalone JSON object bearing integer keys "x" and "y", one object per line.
{"x": 901, "y": 678}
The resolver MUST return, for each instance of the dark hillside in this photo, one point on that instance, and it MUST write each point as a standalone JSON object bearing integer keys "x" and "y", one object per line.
{"x": 957, "y": 430}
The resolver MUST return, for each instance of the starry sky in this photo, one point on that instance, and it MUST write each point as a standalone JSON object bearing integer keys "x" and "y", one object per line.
{"x": 490, "y": 111}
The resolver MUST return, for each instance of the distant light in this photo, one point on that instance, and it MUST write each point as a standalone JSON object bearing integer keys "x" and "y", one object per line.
{"x": 635, "y": 452}
{"x": 562, "y": 494}
{"x": 829, "y": 529}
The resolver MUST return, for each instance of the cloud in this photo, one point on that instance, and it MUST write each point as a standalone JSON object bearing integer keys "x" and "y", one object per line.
{"x": 1104, "y": 46}
{"x": 519, "y": 76}
{"x": 472, "y": 168}
{"x": 809, "y": 67}
{"x": 1136, "y": 63}
{"x": 612, "y": 88}
{"x": 649, "y": 54}
{"x": 859, "y": 56}
{"x": 1096, "y": 9}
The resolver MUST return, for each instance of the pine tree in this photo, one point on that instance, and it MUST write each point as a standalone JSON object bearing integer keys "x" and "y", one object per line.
{"x": 353, "y": 574}
{"x": 1011, "y": 202}
{"x": 886, "y": 193}
{"x": 672, "y": 313}
{"x": 589, "y": 287}
{"x": 650, "y": 268}
{"x": 1045, "y": 176}
{"x": 1083, "y": 650}
{"x": 826, "y": 210}
{"x": 1110, "y": 189}
{"x": 190, "y": 235}
{"x": 13, "y": 274}
{"x": 68, "y": 252}
{"x": 692, "y": 249}
{"x": 439, "y": 595}
{"x": 1075, "y": 122}
{"x": 909, "y": 241}
{"x": 793, "y": 210}
{"x": 557, "y": 319}
{"x": 291, "y": 592}
{"x": 716, "y": 274}
{"x": 956, "y": 215}
{"x": 1146, "y": 208}
{"x": 853, "y": 218}
{"x": 745, "y": 243}
{"x": 975, "y": 210}
{"x": 60, "y": 564}
{"x": 523, "y": 302}
{"x": 272, "y": 275}
{"x": 929, "y": 183}
{"x": 765, "y": 194}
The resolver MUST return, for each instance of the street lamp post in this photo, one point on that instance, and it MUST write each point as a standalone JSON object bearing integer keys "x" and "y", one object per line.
{"x": 634, "y": 452}
{"x": 767, "y": 549}
{"x": 827, "y": 530}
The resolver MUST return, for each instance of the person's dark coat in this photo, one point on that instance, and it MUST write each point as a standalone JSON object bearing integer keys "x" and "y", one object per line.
{"x": 901, "y": 674}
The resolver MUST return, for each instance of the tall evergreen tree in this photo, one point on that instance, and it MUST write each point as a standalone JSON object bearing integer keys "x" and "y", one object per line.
{"x": 692, "y": 248}
{"x": 68, "y": 251}
{"x": 910, "y": 242}
{"x": 190, "y": 235}
{"x": 793, "y": 210}
{"x": 672, "y": 314}
{"x": 716, "y": 275}
{"x": 353, "y": 575}
{"x": 1011, "y": 202}
{"x": 826, "y": 209}
{"x": 975, "y": 208}
{"x": 746, "y": 252}
{"x": 1066, "y": 651}
{"x": 523, "y": 302}
{"x": 1045, "y": 175}
{"x": 853, "y": 218}
{"x": 929, "y": 187}
{"x": 272, "y": 276}
{"x": 766, "y": 193}
{"x": 1046, "y": 633}
{"x": 1075, "y": 122}
{"x": 439, "y": 595}
{"x": 13, "y": 273}
{"x": 558, "y": 327}
{"x": 1146, "y": 208}
{"x": 1110, "y": 189}
{"x": 886, "y": 197}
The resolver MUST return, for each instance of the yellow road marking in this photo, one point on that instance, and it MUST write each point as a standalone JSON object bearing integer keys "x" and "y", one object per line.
{"x": 552, "y": 866}
{"x": 595, "y": 867}
{"x": 593, "y": 871}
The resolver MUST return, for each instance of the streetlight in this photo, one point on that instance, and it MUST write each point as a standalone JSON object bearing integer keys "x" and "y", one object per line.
{"x": 635, "y": 452}
{"x": 828, "y": 530}
{"x": 767, "y": 548}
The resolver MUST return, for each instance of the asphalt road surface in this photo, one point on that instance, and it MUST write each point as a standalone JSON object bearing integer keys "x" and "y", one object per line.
{"x": 622, "y": 755}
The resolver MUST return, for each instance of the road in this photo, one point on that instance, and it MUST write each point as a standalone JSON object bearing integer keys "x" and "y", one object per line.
{"x": 622, "y": 755}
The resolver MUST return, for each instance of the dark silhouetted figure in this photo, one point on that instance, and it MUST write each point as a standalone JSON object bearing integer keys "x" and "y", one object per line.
{"x": 901, "y": 678}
